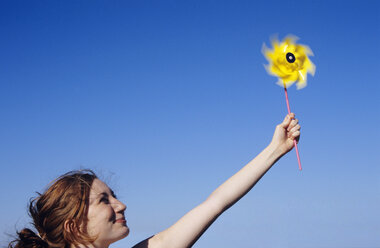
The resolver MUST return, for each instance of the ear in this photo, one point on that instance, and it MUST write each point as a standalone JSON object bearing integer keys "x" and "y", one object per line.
{"x": 70, "y": 227}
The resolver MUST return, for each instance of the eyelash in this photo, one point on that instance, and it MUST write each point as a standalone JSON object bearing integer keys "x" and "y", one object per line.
{"x": 106, "y": 200}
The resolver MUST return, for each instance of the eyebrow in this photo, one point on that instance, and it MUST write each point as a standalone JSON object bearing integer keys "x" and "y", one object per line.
{"x": 106, "y": 194}
{"x": 113, "y": 194}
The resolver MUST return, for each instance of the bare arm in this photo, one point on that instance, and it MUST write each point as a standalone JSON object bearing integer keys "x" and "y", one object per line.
{"x": 191, "y": 226}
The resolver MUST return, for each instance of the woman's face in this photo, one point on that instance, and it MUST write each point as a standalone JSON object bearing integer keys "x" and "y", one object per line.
{"x": 106, "y": 219}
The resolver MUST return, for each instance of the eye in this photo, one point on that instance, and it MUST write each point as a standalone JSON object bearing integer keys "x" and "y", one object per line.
{"x": 290, "y": 57}
{"x": 104, "y": 200}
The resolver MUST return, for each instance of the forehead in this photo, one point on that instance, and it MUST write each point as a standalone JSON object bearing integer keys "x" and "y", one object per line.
{"x": 99, "y": 187}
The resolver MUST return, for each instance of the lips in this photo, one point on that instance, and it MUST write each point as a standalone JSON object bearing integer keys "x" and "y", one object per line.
{"x": 120, "y": 220}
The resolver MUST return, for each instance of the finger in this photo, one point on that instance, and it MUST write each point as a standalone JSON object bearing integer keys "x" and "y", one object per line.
{"x": 295, "y": 128}
{"x": 292, "y": 124}
{"x": 287, "y": 120}
{"x": 296, "y": 136}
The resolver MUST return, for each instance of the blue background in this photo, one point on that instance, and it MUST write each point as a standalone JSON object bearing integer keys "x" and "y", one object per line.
{"x": 167, "y": 99}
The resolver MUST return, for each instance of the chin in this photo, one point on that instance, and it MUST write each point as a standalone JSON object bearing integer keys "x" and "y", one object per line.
{"x": 119, "y": 237}
{"x": 124, "y": 233}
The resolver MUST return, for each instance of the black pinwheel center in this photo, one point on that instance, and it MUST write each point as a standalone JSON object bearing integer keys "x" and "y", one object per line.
{"x": 290, "y": 57}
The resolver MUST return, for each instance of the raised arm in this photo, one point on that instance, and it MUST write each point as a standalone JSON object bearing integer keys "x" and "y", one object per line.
{"x": 191, "y": 226}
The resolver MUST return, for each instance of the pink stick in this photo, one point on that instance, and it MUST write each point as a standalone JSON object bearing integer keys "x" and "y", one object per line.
{"x": 295, "y": 142}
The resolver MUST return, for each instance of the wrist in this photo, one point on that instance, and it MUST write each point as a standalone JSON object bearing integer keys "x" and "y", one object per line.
{"x": 275, "y": 150}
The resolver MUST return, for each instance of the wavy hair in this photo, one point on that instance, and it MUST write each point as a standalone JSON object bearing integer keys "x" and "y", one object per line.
{"x": 59, "y": 214}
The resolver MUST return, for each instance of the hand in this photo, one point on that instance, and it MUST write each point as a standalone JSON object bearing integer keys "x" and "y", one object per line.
{"x": 285, "y": 134}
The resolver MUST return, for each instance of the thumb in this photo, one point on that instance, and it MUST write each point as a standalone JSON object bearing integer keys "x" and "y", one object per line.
{"x": 287, "y": 120}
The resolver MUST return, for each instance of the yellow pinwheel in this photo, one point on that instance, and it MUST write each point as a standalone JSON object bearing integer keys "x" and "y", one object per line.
{"x": 289, "y": 62}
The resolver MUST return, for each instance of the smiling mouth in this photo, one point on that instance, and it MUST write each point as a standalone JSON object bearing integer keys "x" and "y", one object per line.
{"x": 121, "y": 220}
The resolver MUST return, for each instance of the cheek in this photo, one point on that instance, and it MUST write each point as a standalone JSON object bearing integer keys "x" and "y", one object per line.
{"x": 99, "y": 218}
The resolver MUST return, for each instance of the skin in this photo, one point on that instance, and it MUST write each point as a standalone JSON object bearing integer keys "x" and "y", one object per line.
{"x": 106, "y": 219}
{"x": 187, "y": 230}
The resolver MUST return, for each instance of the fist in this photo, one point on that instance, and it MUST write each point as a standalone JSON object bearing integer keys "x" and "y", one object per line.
{"x": 286, "y": 133}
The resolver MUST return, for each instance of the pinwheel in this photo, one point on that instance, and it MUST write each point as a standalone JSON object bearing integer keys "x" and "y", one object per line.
{"x": 289, "y": 62}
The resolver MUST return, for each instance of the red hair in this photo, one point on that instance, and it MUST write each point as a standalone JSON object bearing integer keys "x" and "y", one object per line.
{"x": 60, "y": 213}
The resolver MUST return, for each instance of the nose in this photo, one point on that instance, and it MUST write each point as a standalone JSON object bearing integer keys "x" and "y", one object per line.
{"x": 119, "y": 206}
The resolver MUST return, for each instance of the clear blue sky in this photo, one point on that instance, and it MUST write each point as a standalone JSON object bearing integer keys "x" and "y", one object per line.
{"x": 167, "y": 99}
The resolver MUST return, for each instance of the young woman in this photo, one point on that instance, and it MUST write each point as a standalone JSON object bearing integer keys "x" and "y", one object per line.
{"x": 79, "y": 210}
